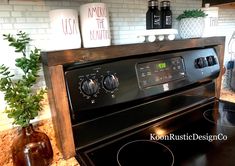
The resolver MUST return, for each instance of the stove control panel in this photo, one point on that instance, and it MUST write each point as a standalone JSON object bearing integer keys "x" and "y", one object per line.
{"x": 160, "y": 71}
{"x": 95, "y": 85}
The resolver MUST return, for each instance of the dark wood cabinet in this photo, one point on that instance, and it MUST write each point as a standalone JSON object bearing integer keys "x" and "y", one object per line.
{"x": 220, "y": 3}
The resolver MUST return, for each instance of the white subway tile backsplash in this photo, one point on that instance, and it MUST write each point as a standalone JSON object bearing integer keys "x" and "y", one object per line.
{"x": 52, "y": 3}
{"x": 35, "y": 20}
{"x": 9, "y": 20}
{"x": 5, "y": 13}
{"x": 131, "y": 28}
{"x": 74, "y": 3}
{"x": 7, "y": 26}
{"x": 66, "y": 3}
{"x": 23, "y": 8}
{"x": 129, "y": 19}
{"x": 111, "y": 1}
{"x": 129, "y": 2}
{"x": 40, "y": 8}
{"x": 20, "y": 20}
{"x": 123, "y": 29}
{"x": 140, "y": 2}
{"x": 36, "y": 14}
{"x": 30, "y": 26}
{"x": 140, "y": 20}
{"x": 6, "y": 7}
{"x": 26, "y": 2}
{"x": 115, "y": 29}
{"x": 4, "y": 2}
{"x": 118, "y": 19}
{"x": 124, "y": 15}
{"x": 140, "y": 27}
{"x": 16, "y": 14}
{"x": 42, "y": 31}
{"x": 116, "y": 5}
{"x": 113, "y": 10}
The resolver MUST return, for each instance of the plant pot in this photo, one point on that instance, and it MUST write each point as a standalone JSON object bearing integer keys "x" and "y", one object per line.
{"x": 191, "y": 27}
{"x": 31, "y": 148}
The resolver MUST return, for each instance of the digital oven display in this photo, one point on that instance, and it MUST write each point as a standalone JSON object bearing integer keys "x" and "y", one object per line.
{"x": 157, "y": 72}
{"x": 161, "y": 65}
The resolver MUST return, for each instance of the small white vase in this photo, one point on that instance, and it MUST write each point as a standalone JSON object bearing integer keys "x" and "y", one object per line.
{"x": 191, "y": 27}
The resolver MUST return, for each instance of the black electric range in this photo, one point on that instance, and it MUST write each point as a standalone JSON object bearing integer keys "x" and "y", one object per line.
{"x": 187, "y": 139}
{"x": 151, "y": 110}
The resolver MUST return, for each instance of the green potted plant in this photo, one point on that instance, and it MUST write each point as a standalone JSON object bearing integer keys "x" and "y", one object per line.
{"x": 191, "y": 23}
{"x": 24, "y": 103}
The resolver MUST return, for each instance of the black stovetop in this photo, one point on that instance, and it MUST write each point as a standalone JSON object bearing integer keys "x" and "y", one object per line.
{"x": 202, "y": 136}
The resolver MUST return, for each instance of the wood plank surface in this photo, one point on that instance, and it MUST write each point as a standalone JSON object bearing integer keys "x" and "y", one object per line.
{"x": 220, "y": 51}
{"x": 53, "y": 58}
{"x": 60, "y": 109}
{"x": 226, "y": 5}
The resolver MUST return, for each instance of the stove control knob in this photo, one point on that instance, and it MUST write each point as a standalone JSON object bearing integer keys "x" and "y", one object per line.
{"x": 201, "y": 62}
{"x": 89, "y": 87}
{"x": 211, "y": 60}
{"x": 110, "y": 82}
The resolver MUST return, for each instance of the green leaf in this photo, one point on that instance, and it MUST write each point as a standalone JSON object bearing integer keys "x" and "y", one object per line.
{"x": 6, "y": 73}
{"x": 192, "y": 14}
{"x": 23, "y": 103}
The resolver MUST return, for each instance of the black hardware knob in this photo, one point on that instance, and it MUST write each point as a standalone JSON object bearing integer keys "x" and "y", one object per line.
{"x": 211, "y": 60}
{"x": 110, "y": 82}
{"x": 89, "y": 87}
{"x": 201, "y": 62}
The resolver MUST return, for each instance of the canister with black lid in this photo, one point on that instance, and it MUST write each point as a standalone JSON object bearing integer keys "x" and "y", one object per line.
{"x": 153, "y": 15}
{"x": 166, "y": 15}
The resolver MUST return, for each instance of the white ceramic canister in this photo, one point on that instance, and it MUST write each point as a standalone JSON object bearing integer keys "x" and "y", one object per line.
{"x": 211, "y": 21}
{"x": 94, "y": 19}
{"x": 65, "y": 33}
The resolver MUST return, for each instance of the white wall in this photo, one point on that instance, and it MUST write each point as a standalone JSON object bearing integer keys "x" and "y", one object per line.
{"x": 31, "y": 16}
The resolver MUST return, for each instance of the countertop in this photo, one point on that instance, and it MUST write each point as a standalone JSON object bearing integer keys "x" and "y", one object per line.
{"x": 47, "y": 127}
{"x": 227, "y": 95}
